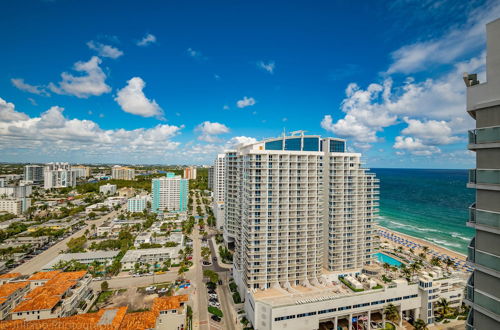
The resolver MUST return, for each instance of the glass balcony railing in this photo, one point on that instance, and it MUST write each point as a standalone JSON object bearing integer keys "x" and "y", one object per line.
{"x": 487, "y": 260}
{"x": 471, "y": 249}
{"x": 469, "y": 325}
{"x": 484, "y": 135}
{"x": 469, "y": 290}
{"x": 481, "y": 176}
{"x": 482, "y": 217}
{"x": 487, "y": 302}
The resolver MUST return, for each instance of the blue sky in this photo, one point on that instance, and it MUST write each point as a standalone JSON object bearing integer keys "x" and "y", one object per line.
{"x": 177, "y": 82}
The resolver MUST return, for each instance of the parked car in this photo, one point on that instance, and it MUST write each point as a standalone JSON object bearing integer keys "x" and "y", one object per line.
{"x": 212, "y": 291}
{"x": 214, "y": 304}
{"x": 215, "y": 318}
{"x": 163, "y": 290}
{"x": 151, "y": 288}
{"x": 213, "y": 295}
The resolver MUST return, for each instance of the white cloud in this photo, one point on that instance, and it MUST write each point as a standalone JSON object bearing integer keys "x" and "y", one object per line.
{"x": 269, "y": 66}
{"x": 209, "y": 131}
{"x": 92, "y": 83}
{"x": 415, "y": 146}
{"x": 239, "y": 140}
{"x": 147, "y": 40}
{"x": 456, "y": 42}
{"x": 105, "y": 50}
{"x": 245, "y": 102}
{"x": 8, "y": 112}
{"x": 131, "y": 99}
{"x": 431, "y": 131}
{"x": 52, "y": 134}
{"x": 20, "y": 84}
{"x": 226, "y": 107}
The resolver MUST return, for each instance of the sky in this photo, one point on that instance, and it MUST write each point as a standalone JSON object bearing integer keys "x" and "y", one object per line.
{"x": 157, "y": 82}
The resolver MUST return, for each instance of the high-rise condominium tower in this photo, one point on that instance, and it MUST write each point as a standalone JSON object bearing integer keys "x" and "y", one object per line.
{"x": 296, "y": 205}
{"x": 219, "y": 187}
{"x": 483, "y": 104}
{"x": 33, "y": 173}
{"x": 59, "y": 175}
{"x": 169, "y": 193}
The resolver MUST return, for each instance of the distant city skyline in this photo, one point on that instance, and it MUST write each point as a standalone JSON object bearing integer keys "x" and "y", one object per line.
{"x": 119, "y": 83}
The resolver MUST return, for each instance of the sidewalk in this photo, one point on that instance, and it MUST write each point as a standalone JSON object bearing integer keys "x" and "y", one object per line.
{"x": 219, "y": 259}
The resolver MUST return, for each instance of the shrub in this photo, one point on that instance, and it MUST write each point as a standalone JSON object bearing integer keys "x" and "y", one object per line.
{"x": 215, "y": 311}
{"x": 236, "y": 298}
{"x": 233, "y": 287}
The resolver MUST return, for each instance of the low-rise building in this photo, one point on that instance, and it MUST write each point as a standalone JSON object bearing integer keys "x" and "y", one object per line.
{"x": 14, "y": 205}
{"x": 27, "y": 240}
{"x": 137, "y": 204}
{"x": 108, "y": 189}
{"x": 10, "y": 295}
{"x": 112, "y": 228}
{"x": 167, "y": 313}
{"x": 9, "y": 277}
{"x": 103, "y": 257}
{"x": 150, "y": 256}
{"x": 56, "y": 295}
{"x": 20, "y": 191}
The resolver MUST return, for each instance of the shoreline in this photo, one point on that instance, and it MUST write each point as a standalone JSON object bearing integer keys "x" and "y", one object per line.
{"x": 432, "y": 246}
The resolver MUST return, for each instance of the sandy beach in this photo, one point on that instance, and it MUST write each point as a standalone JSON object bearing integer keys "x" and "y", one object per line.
{"x": 421, "y": 242}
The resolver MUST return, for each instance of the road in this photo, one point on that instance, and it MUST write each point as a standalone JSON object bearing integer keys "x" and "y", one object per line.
{"x": 36, "y": 264}
{"x": 134, "y": 282}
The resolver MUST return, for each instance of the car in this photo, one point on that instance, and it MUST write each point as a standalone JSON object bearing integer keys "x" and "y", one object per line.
{"x": 150, "y": 274}
{"x": 97, "y": 278}
{"x": 212, "y": 291}
{"x": 213, "y": 295}
{"x": 163, "y": 290}
{"x": 214, "y": 304}
{"x": 159, "y": 272}
{"x": 215, "y": 258}
{"x": 215, "y": 318}
{"x": 213, "y": 301}
{"x": 151, "y": 288}
{"x": 136, "y": 275}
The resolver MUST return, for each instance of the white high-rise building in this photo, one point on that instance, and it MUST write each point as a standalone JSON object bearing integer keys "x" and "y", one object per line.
{"x": 59, "y": 175}
{"x": 190, "y": 173}
{"x": 297, "y": 206}
{"x": 122, "y": 173}
{"x": 218, "y": 189}
{"x": 33, "y": 173}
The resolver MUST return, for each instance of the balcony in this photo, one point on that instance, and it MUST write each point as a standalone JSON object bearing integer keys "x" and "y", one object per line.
{"x": 484, "y": 177}
{"x": 469, "y": 324}
{"x": 471, "y": 250}
{"x": 484, "y": 137}
{"x": 483, "y": 218}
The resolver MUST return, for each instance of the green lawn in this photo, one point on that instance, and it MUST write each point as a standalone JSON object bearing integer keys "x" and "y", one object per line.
{"x": 104, "y": 296}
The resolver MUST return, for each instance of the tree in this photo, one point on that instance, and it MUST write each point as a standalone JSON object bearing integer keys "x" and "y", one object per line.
{"x": 435, "y": 261}
{"x": 425, "y": 249}
{"x": 422, "y": 256}
{"x": 386, "y": 267}
{"x": 420, "y": 324}
{"x": 443, "y": 307}
{"x": 205, "y": 253}
{"x": 211, "y": 275}
{"x": 77, "y": 244}
{"x": 104, "y": 286}
{"x": 406, "y": 272}
{"x": 448, "y": 262}
{"x": 414, "y": 267}
{"x": 391, "y": 313}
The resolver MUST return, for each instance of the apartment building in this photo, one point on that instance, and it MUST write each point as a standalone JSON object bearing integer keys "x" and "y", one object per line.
{"x": 34, "y": 173}
{"x": 122, "y": 173}
{"x": 296, "y": 205}
{"x": 15, "y": 206}
{"x": 150, "y": 256}
{"x": 190, "y": 173}
{"x": 20, "y": 191}
{"x": 54, "y": 294}
{"x": 108, "y": 189}
{"x": 86, "y": 258}
{"x": 59, "y": 175}
{"x": 483, "y": 104}
{"x": 166, "y": 313}
{"x": 81, "y": 171}
{"x": 137, "y": 204}
{"x": 10, "y": 295}
{"x": 211, "y": 178}
{"x": 218, "y": 189}
{"x": 169, "y": 193}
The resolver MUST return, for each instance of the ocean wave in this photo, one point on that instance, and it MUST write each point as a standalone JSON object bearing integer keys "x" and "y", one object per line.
{"x": 414, "y": 228}
{"x": 458, "y": 235}
{"x": 445, "y": 243}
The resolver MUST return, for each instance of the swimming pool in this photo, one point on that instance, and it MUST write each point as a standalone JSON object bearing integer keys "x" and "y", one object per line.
{"x": 383, "y": 258}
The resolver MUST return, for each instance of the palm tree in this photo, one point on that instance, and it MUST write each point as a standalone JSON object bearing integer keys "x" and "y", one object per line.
{"x": 443, "y": 307}
{"x": 420, "y": 324}
{"x": 414, "y": 267}
{"x": 422, "y": 256}
{"x": 205, "y": 253}
{"x": 386, "y": 267}
{"x": 391, "y": 313}
{"x": 448, "y": 262}
{"x": 425, "y": 249}
{"x": 412, "y": 251}
{"x": 435, "y": 261}
{"x": 406, "y": 272}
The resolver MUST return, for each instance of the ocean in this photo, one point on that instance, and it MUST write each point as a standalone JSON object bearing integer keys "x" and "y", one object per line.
{"x": 430, "y": 204}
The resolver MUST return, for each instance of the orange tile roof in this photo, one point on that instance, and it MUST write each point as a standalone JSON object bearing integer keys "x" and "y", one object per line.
{"x": 44, "y": 275}
{"x": 49, "y": 294}
{"x": 93, "y": 321}
{"x": 40, "y": 302}
{"x": 168, "y": 303}
{"x": 9, "y": 275}
{"x": 9, "y": 288}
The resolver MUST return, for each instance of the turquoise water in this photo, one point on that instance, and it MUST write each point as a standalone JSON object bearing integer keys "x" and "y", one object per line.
{"x": 427, "y": 203}
{"x": 383, "y": 258}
